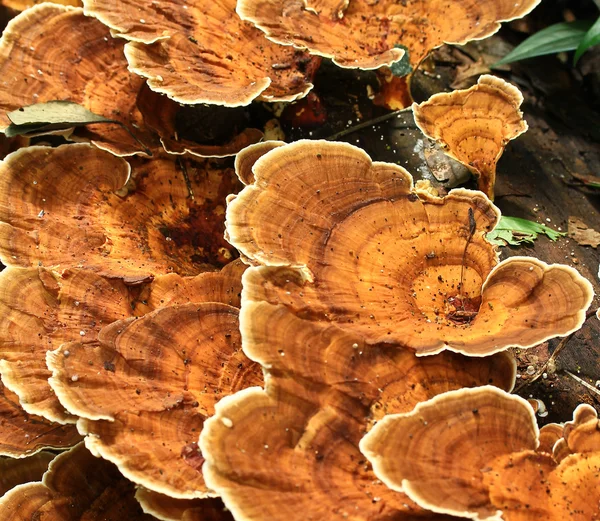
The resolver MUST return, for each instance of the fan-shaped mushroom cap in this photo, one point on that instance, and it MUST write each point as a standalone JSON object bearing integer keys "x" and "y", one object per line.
{"x": 170, "y": 509}
{"x": 349, "y": 241}
{"x": 76, "y": 205}
{"x": 23, "y": 434}
{"x": 368, "y": 34}
{"x": 474, "y": 125}
{"x": 38, "y": 52}
{"x": 435, "y": 454}
{"x": 42, "y": 310}
{"x": 291, "y": 451}
{"x": 529, "y": 486}
{"x": 15, "y": 472}
{"x": 246, "y": 158}
{"x": 233, "y": 71}
{"x": 146, "y": 389}
{"x": 77, "y": 486}
{"x": 21, "y": 5}
{"x": 549, "y": 435}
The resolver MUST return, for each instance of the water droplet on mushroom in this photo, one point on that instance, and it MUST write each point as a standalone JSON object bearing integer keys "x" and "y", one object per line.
{"x": 227, "y": 422}
{"x": 82, "y": 333}
{"x": 74, "y": 378}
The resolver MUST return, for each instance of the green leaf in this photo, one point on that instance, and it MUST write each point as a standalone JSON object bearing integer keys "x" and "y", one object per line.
{"x": 403, "y": 66}
{"x": 515, "y": 231}
{"x": 591, "y": 38}
{"x": 52, "y": 116}
{"x": 565, "y": 36}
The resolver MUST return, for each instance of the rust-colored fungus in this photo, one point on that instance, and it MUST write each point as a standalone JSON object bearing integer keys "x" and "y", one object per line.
{"x": 79, "y": 206}
{"x": 53, "y": 52}
{"x": 15, "y": 472}
{"x": 170, "y": 509}
{"x": 144, "y": 391}
{"x": 245, "y": 159}
{"x": 435, "y": 453}
{"x": 23, "y": 434}
{"x": 472, "y": 453}
{"x": 369, "y": 34}
{"x": 582, "y": 435}
{"x": 42, "y": 309}
{"x": 291, "y": 451}
{"x": 21, "y": 5}
{"x": 76, "y": 487}
{"x": 182, "y": 50}
{"x": 474, "y": 125}
{"x": 349, "y": 241}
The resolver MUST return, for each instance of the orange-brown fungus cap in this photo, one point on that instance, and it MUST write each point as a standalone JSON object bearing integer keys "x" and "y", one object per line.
{"x": 474, "y": 125}
{"x": 21, "y": 5}
{"x": 23, "y": 434}
{"x": 291, "y": 451}
{"x": 15, "y": 472}
{"x": 349, "y": 241}
{"x": 167, "y": 37}
{"x": 438, "y": 453}
{"x": 42, "y": 309}
{"x": 76, "y": 205}
{"x": 144, "y": 391}
{"x": 170, "y": 509}
{"x": 76, "y": 487}
{"x": 367, "y": 34}
{"x": 528, "y": 486}
{"x": 52, "y": 52}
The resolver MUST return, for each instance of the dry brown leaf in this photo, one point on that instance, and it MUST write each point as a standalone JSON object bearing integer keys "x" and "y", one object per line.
{"x": 584, "y": 236}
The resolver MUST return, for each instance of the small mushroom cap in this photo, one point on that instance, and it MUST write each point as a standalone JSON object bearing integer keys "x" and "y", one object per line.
{"x": 23, "y": 434}
{"x": 435, "y": 453}
{"x": 349, "y": 241}
{"x": 324, "y": 387}
{"x": 37, "y": 52}
{"x": 145, "y": 390}
{"x": 582, "y": 435}
{"x": 528, "y": 486}
{"x": 246, "y": 158}
{"x": 170, "y": 509}
{"x": 230, "y": 72}
{"x": 79, "y": 206}
{"x": 549, "y": 435}
{"x": 474, "y": 125}
{"x": 368, "y": 33}
{"x": 76, "y": 487}
{"x": 43, "y": 310}
{"x": 15, "y": 472}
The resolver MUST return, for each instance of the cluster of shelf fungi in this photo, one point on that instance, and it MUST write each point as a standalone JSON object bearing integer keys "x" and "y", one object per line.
{"x": 307, "y": 335}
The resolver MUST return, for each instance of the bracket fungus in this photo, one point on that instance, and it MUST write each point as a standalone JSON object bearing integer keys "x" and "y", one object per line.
{"x": 474, "y": 125}
{"x": 368, "y": 34}
{"x": 43, "y": 309}
{"x": 145, "y": 389}
{"x": 23, "y": 434}
{"x": 76, "y": 487}
{"x": 166, "y": 37}
{"x": 15, "y": 472}
{"x": 38, "y": 50}
{"x": 79, "y": 206}
{"x": 475, "y": 453}
{"x": 348, "y": 241}
{"x": 290, "y": 451}
{"x": 167, "y": 508}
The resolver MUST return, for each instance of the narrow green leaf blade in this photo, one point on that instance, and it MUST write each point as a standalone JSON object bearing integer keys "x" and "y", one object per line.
{"x": 560, "y": 37}
{"x": 591, "y": 38}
